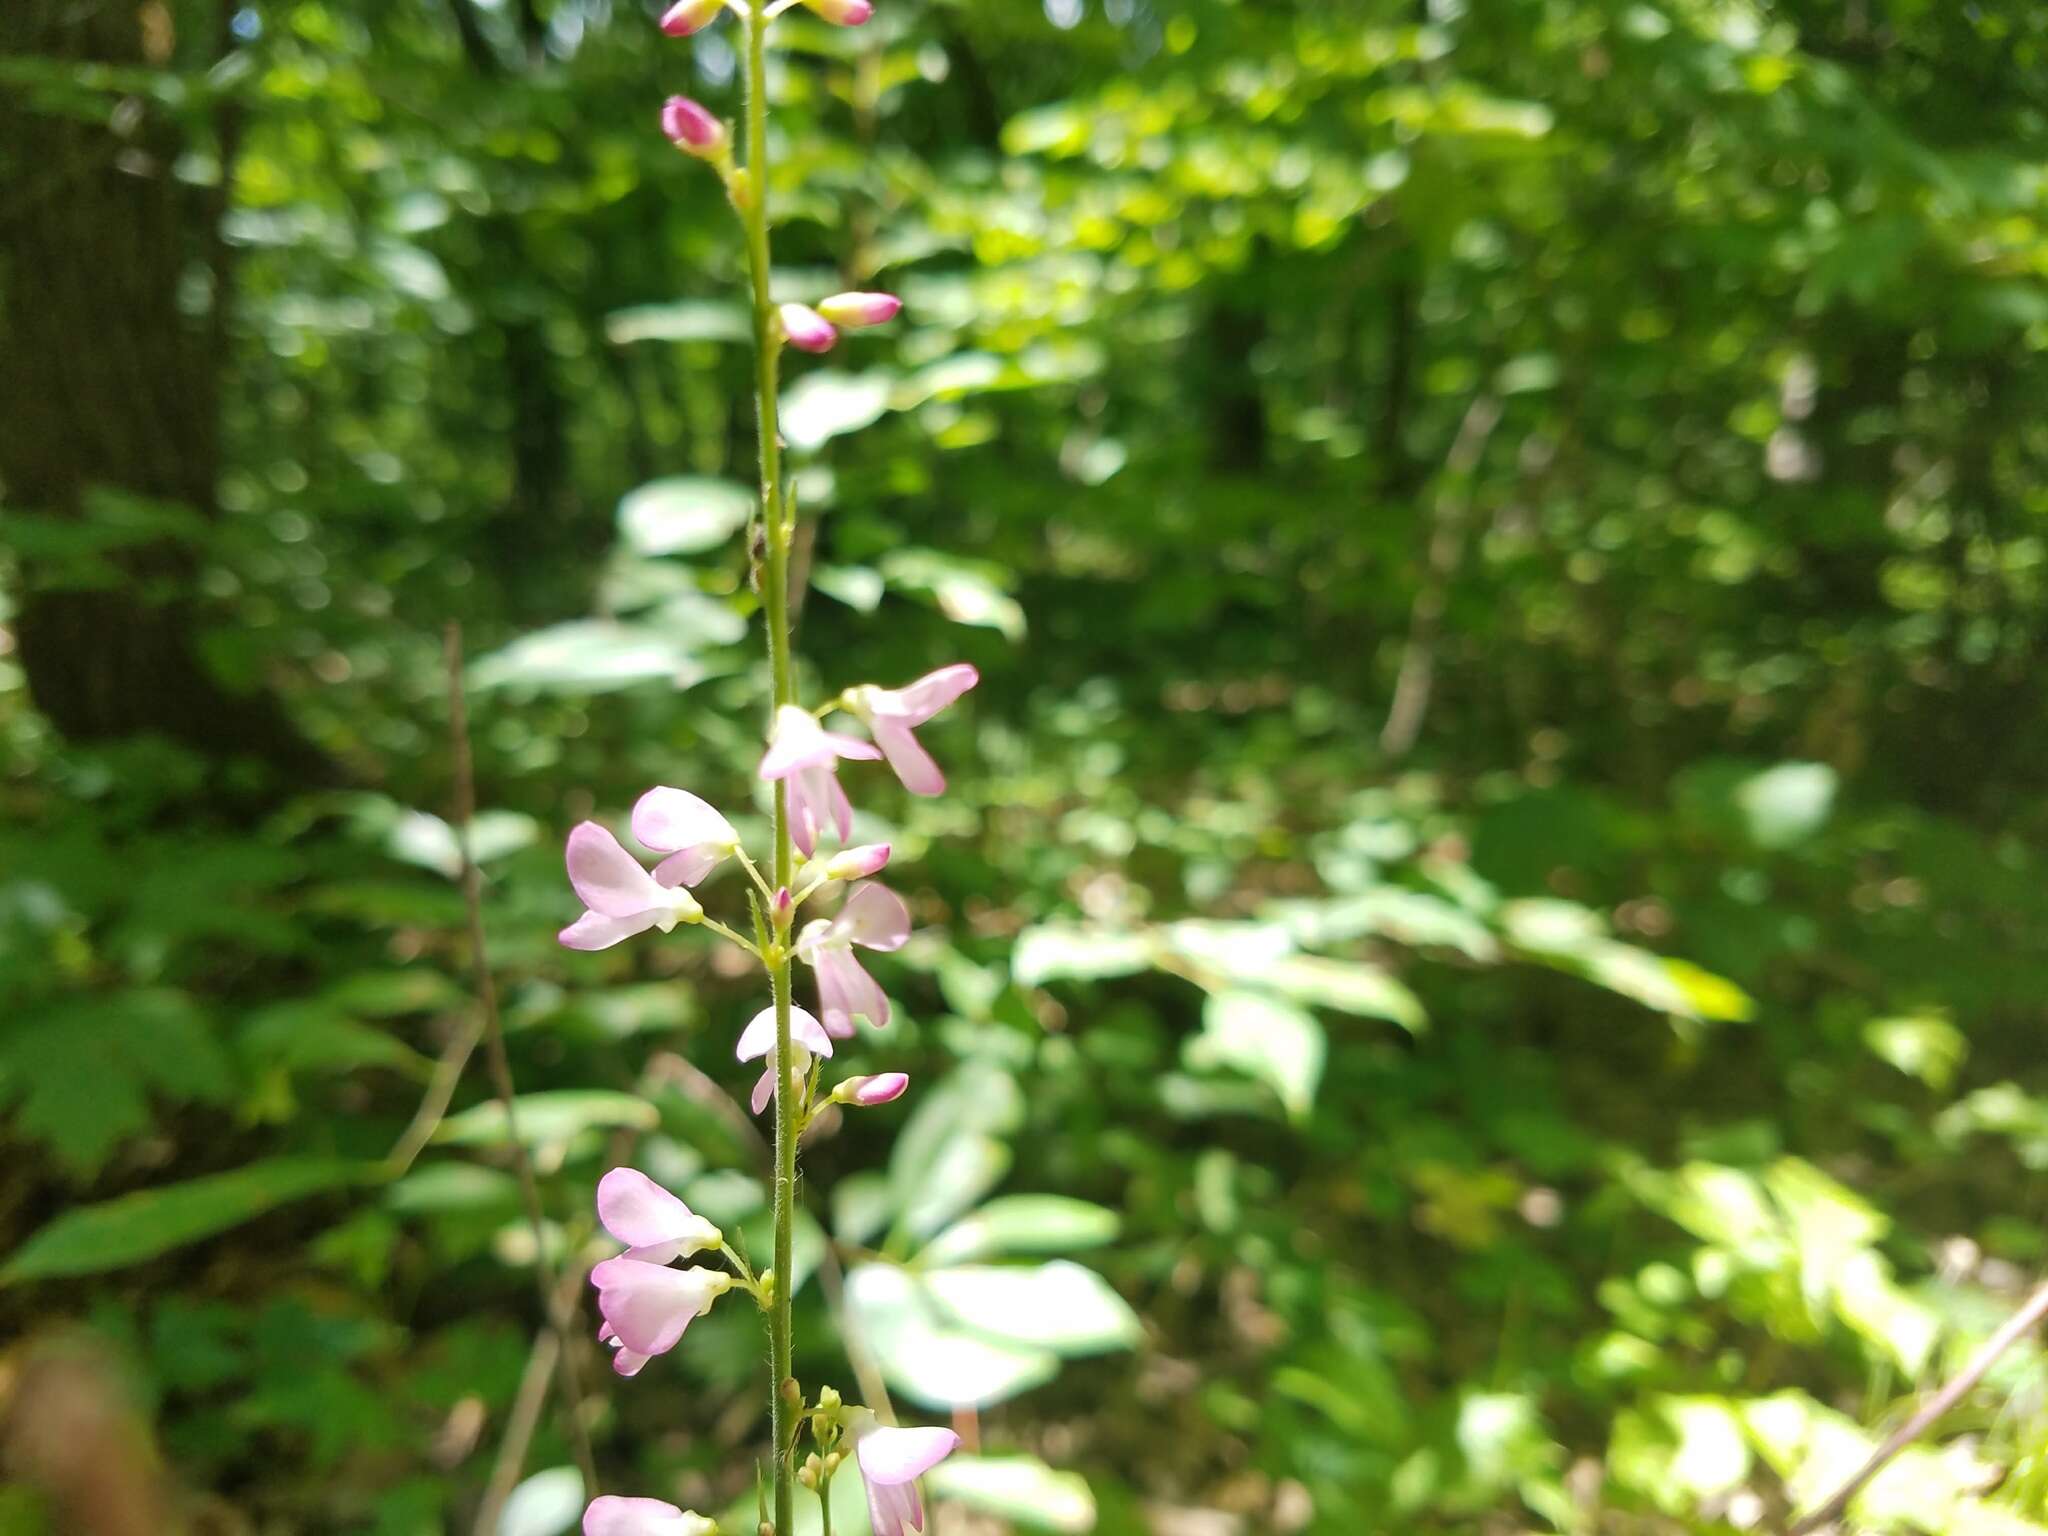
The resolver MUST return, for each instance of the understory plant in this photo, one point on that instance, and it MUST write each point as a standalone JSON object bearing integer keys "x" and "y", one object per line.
{"x": 645, "y": 1300}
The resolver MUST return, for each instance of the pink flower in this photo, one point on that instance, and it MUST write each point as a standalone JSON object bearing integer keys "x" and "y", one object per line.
{"x": 805, "y": 753}
{"x": 807, "y": 330}
{"x": 647, "y": 1306}
{"x": 622, "y": 898}
{"x": 891, "y": 1462}
{"x": 857, "y": 863}
{"x": 758, "y": 1039}
{"x": 654, "y": 1225}
{"x": 842, "y": 13}
{"x": 624, "y": 1360}
{"x": 891, "y": 713}
{"x": 867, "y": 1092}
{"x": 687, "y": 827}
{"x": 690, "y": 128}
{"x": 614, "y": 1516}
{"x": 687, "y": 16}
{"x": 853, "y": 310}
{"x": 874, "y": 917}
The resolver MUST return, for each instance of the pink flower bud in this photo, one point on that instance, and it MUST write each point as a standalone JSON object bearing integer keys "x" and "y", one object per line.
{"x": 690, "y": 128}
{"x": 807, "y": 330}
{"x": 687, "y": 16}
{"x": 842, "y": 13}
{"x": 857, "y": 309}
{"x": 867, "y": 1092}
{"x": 857, "y": 863}
{"x": 780, "y": 908}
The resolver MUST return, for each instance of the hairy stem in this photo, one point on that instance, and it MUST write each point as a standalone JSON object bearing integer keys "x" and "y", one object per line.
{"x": 775, "y": 602}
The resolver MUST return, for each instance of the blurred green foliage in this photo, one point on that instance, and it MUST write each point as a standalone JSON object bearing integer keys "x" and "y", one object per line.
{"x": 1599, "y": 1102}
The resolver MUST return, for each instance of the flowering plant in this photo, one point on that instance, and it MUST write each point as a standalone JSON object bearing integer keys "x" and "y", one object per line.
{"x": 645, "y": 1300}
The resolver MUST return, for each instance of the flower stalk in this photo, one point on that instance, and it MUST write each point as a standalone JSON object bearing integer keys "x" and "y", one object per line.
{"x": 775, "y": 531}
{"x": 645, "y": 1304}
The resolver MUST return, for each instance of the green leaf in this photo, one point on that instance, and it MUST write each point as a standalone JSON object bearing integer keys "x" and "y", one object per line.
{"x": 1061, "y": 1306}
{"x": 546, "y": 1504}
{"x": 683, "y": 515}
{"x": 1023, "y": 1224}
{"x": 1274, "y": 1041}
{"x": 929, "y": 1358}
{"x": 967, "y": 1167}
{"x": 825, "y": 403}
{"x": 1349, "y": 986}
{"x": 589, "y": 656}
{"x": 1019, "y": 1489}
{"x": 1919, "y": 1045}
{"x": 549, "y": 1116}
{"x": 1786, "y": 805}
{"x": 690, "y": 320}
{"x": 452, "y": 1186}
{"x": 966, "y": 591}
{"x": 132, "y": 1228}
{"x": 81, "y": 1073}
{"x": 861, "y": 1207}
{"x": 1068, "y": 952}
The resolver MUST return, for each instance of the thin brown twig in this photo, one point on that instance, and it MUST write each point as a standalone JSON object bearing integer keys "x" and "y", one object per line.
{"x": 541, "y": 1363}
{"x": 434, "y": 1102}
{"x": 554, "y": 1306}
{"x": 1446, "y": 544}
{"x": 2017, "y": 1327}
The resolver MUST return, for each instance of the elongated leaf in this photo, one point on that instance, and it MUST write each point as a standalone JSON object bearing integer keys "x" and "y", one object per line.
{"x": 1268, "y": 1038}
{"x": 553, "y": 1115}
{"x": 1023, "y": 1224}
{"x": 140, "y": 1226}
{"x": 1021, "y": 1489}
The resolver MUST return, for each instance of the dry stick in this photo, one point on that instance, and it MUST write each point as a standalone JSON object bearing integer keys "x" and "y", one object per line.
{"x": 554, "y": 1307}
{"x": 1446, "y": 544}
{"x": 434, "y": 1102}
{"x": 2017, "y": 1327}
{"x": 525, "y": 1417}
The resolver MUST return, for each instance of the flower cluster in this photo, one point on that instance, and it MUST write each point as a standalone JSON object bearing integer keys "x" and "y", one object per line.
{"x": 646, "y": 1299}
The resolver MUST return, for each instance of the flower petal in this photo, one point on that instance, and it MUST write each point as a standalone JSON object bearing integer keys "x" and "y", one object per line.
{"x": 841, "y": 807}
{"x": 854, "y": 993}
{"x": 593, "y": 930}
{"x": 798, "y": 741}
{"x": 642, "y": 1215}
{"x": 874, "y": 917}
{"x": 917, "y": 702}
{"x": 648, "y": 1306}
{"x": 914, "y": 766}
{"x": 607, "y": 878}
{"x": 688, "y": 867}
{"x": 890, "y": 1456}
{"x": 611, "y": 1515}
{"x": 758, "y": 1038}
{"x": 892, "y": 1510}
{"x": 669, "y": 820}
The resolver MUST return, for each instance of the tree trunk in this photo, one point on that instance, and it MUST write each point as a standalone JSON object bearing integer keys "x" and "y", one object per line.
{"x": 110, "y": 386}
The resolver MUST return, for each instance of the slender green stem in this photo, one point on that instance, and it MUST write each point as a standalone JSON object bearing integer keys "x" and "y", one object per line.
{"x": 722, "y": 931}
{"x": 775, "y": 600}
